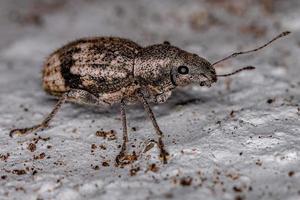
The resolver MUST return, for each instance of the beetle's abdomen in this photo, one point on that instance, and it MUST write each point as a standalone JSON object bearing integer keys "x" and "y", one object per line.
{"x": 97, "y": 65}
{"x": 53, "y": 81}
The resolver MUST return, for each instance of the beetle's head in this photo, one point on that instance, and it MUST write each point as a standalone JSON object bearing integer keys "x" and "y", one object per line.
{"x": 190, "y": 68}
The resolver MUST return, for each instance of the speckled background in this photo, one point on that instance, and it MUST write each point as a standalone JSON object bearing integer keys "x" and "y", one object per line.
{"x": 236, "y": 140}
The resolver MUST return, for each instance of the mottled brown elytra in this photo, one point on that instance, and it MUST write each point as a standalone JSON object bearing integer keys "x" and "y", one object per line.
{"x": 102, "y": 71}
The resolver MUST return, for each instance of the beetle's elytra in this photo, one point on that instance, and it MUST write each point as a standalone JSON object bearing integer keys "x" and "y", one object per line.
{"x": 107, "y": 70}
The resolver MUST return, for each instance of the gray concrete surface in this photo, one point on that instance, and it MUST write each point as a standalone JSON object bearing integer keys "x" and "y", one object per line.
{"x": 236, "y": 140}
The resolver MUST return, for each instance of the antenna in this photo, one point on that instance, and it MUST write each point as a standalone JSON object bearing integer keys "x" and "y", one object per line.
{"x": 237, "y": 71}
{"x": 253, "y": 50}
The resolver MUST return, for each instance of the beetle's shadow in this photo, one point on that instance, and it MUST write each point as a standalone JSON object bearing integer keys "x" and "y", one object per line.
{"x": 180, "y": 97}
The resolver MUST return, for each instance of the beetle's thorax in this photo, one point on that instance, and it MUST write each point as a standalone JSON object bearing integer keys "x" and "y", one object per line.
{"x": 153, "y": 65}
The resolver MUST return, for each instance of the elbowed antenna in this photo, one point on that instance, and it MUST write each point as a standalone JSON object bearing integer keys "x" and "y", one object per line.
{"x": 237, "y": 71}
{"x": 253, "y": 50}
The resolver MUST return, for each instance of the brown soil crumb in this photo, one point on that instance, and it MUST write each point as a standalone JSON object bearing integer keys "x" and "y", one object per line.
{"x": 95, "y": 167}
{"x": 102, "y": 146}
{"x": 39, "y": 157}
{"x": 186, "y": 181}
{"x": 110, "y": 135}
{"x": 233, "y": 176}
{"x": 258, "y": 162}
{"x": 3, "y": 177}
{"x": 4, "y": 157}
{"x": 153, "y": 167}
{"x": 269, "y": 101}
{"x": 291, "y": 173}
{"x": 19, "y": 171}
{"x": 232, "y": 114}
{"x": 31, "y": 147}
{"x": 105, "y": 164}
{"x": 93, "y": 146}
{"x": 36, "y": 140}
{"x": 134, "y": 171}
{"x": 237, "y": 189}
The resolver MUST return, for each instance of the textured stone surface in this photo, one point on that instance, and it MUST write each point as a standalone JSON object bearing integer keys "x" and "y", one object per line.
{"x": 238, "y": 139}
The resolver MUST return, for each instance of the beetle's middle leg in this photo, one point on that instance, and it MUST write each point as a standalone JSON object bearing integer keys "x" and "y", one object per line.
{"x": 125, "y": 133}
{"x": 163, "y": 153}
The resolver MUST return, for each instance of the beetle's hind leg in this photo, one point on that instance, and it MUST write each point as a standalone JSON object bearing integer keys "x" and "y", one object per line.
{"x": 74, "y": 95}
{"x": 163, "y": 153}
{"x": 45, "y": 122}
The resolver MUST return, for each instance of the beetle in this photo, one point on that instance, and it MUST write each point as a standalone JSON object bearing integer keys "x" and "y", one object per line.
{"x": 102, "y": 71}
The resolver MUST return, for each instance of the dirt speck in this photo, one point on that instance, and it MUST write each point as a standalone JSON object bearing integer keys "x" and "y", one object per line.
{"x": 4, "y": 157}
{"x": 105, "y": 164}
{"x": 291, "y": 173}
{"x": 31, "y": 147}
{"x": 133, "y": 171}
{"x": 186, "y": 181}
{"x": 269, "y": 101}
{"x": 39, "y": 157}
{"x": 109, "y": 135}
{"x": 152, "y": 167}
{"x": 19, "y": 171}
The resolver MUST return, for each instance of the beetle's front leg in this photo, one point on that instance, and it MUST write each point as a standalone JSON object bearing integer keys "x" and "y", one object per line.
{"x": 121, "y": 155}
{"x": 163, "y": 153}
{"x": 45, "y": 122}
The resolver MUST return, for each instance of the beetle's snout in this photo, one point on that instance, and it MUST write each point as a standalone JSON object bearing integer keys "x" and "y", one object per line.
{"x": 208, "y": 78}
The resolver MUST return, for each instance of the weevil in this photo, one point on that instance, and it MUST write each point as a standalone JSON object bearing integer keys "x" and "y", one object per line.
{"x": 102, "y": 71}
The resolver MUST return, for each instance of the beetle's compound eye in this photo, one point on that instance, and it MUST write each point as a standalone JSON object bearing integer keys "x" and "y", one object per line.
{"x": 183, "y": 70}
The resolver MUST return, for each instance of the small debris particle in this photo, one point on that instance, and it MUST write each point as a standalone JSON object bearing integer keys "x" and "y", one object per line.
{"x": 34, "y": 172}
{"x": 105, "y": 164}
{"x": 40, "y": 156}
{"x": 110, "y": 135}
{"x": 4, "y": 157}
{"x": 152, "y": 167}
{"x": 237, "y": 189}
{"x": 134, "y": 171}
{"x": 36, "y": 140}
{"x": 102, "y": 146}
{"x": 291, "y": 173}
{"x": 96, "y": 167}
{"x": 31, "y": 147}
{"x": 258, "y": 162}
{"x": 49, "y": 146}
{"x": 133, "y": 128}
{"x": 93, "y": 146}
{"x": 269, "y": 101}
{"x": 241, "y": 153}
{"x": 19, "y": 171}
{"x": 232, "y": 114}
{"x": 186, "y": 181}
{"x": 3, "y": 177}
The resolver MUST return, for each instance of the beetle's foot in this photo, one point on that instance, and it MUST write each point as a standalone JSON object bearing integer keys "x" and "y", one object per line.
{"x": 124, "y": 159}
{"x": 164, "y": 155}
{"x": 24, "y": 131}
